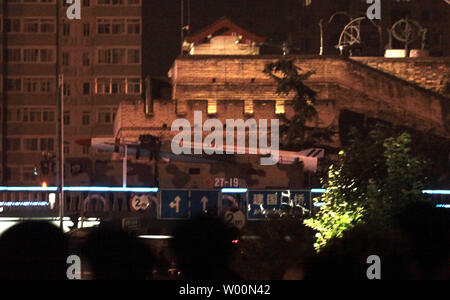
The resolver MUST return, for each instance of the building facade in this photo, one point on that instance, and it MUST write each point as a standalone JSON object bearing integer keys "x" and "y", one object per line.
{"x": 100, "y": 58}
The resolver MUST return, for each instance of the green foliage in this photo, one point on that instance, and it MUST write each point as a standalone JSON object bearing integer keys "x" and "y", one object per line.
{"x": 343, "y": 208}
{"x": 373, "y": 179}
{"x": 294, "y": 132}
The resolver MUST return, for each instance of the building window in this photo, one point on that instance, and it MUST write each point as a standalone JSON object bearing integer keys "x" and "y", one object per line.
{"x": 86, "y": 88}
{"x": 85, "y": 150}
{"x": 13, "y": 144}
{"x": 47, "y": 25}
{"x": 31, "y": 144}
{"x": 14, "y": 55}
{"x": 48, "y": 115}
{"x": 66, "y": 118}
{"x": 103, "y": 26}
{"x": 86, "y": 29}
{"x": 66, "y": 29}
{"x": 103, "y": 86}
{"x": 180, "y": 107}
{"x": 117, "y": 86}
{"x": 31, "y": 25}
{"x": 66, "y": 58}
{"x": 66, "y": 89}
{"x": 134, "y": 26}
{"x": 37, "y": 85}
{"x": 30, "y": 55}
{"x": 134, "y": 56}
{"x": 106, "y": 115}
{"x": 14, "y": 85}
{"x": 280, "y": 108}
{"x": 248, "y": 107}
{"x": 119, "y": 56}
{"x": 14, "y": 115}
{"x": 118, "y": 26}
{"x": 12, "y": 25}
{"x": 47, "y": 144}
{"x": 86, "y": 59}
{"x": 46, "y": 55}
{"x": 134, "y": 86}
{"x": 86, "y": 119}
{"x": 35, "y": 115}
{"x": 212, "y": 107}
{"x": 104, "y": 56}
{"x": 66, "y": 148}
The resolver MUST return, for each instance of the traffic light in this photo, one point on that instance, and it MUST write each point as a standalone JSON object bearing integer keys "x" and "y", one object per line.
{"x": 45, "y": 167}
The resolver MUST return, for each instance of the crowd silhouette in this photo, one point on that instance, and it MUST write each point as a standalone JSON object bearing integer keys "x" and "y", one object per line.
{"x": 416, "y": 247}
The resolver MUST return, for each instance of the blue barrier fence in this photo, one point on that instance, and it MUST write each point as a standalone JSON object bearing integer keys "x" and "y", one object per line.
{"x": 176, "y": 204}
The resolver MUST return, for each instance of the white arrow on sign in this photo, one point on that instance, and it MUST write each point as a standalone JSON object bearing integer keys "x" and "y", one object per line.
{"x": 204, "y": 202}
{"x": 176, "y": 204}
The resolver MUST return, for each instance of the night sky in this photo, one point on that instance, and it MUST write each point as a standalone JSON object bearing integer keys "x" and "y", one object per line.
{"x": 161, "y": 25}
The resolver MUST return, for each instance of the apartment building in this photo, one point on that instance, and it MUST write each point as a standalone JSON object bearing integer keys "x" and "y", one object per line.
{"x": 100, "y": 58}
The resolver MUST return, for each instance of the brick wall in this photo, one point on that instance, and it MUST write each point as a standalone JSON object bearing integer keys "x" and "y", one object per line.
{"x": 341, "y": 84}
{"x": 432, "y": 73}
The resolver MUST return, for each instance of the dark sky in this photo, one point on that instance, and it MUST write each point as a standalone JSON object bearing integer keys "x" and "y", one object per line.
{"x": 161, "y": 24}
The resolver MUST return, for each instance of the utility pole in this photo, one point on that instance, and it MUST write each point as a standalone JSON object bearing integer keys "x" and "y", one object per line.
{"x": 124, "y": 164}
{"x": 60, "y": 120}
{"x": 182, "y": 26}
{"x": 61, "y": 148}
{"x": 4, "y": 102}
{"x": 321, "y": 36}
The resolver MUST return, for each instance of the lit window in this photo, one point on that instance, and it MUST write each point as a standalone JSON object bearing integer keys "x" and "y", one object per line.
{"x": 249, "y": 107}
{"x": 181, "y": 107}
{"x": 279, "y": 108}
{"x": 212, "y": 107}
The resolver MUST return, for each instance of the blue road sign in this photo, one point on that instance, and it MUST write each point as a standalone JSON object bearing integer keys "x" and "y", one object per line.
{"x": 260, "y": 203}
{"x": 174, "y": 204}
{"x": 301, "y": 198}
{"x": 204, "y": 201}
{"x": 263, "y": 203}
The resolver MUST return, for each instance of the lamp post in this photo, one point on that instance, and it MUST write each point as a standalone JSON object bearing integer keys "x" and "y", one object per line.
{"x": 60, "y": 121}
{"x": 60, "y": 134}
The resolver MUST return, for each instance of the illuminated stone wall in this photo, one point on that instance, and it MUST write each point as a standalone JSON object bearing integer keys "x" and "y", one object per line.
{"x": 431, "y": 73}
{"x": 342, "y": 85}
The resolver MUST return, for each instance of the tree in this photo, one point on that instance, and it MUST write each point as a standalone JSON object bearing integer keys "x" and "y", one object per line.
{"x": 300, "y": 130}
{"x": 373, "y": 179}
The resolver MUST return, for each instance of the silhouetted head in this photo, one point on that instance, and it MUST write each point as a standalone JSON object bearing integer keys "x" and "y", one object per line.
{"x": 203, "y": 246}
{"x": 347, "y": 258}
{"x": 115, "y": 255}
{"x": 414, "y": 245}
{"x": 33, "y": 251}
{"x": 427, "y": 229}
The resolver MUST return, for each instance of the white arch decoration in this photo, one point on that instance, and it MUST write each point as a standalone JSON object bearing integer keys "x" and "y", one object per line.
{"x": 98, "y": 197}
